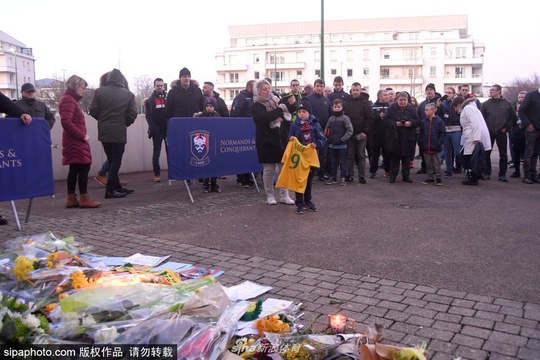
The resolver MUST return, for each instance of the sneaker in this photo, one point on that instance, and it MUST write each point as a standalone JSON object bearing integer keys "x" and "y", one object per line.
{"x": 343, "y": 182}
{"x": 349, "y": 178}
{"x": 102, "y": 179}
{"x": 331, "y": 182}
{"x": 286, "y": 200}
{"x": 310, "y": 206}
{"x": 124, "y": 190}
{"x": 438, "y": 182}
{"x": 242, "y": 185}
{"x": 503, "y": 178}
{"x": 271, "y": 200}
{"x": 421, "y": 171}
{"x": 205, "y": 189}
{"x": 215, "y": 188}
{"x": 299, "y": 208}
{"x": 429, "y": 181}
{"x": 361, "y": 180}
{"x": 407, "y": 179}
{"x": 157, "y": 179}
{"x": 372, "y": 176}
{"x": 528, "y": 181}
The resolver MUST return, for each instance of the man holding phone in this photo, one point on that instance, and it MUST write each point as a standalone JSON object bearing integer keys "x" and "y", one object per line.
{"x": 375, "y": 137}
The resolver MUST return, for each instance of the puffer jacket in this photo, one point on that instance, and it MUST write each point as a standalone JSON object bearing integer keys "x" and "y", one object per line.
{"x": 184, "y": 102}
{"x": 114, "y": 108}
{"x": 432, "y": 135}
{"x": 359, "y": 110}
{"x": 75, "y": 150}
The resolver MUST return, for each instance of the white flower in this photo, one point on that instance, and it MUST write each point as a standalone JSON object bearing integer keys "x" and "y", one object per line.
{"x": 105, "y": 334}
{"x": 88, "y": 321}
{"x": 31, "y": 321}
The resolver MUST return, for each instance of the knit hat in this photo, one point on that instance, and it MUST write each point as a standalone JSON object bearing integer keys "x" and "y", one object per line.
{"x": 210, "y": 101}
{"x": 306, "y": 105}
{"x": 185, "y": 71}
{"x": 430, "y": 86}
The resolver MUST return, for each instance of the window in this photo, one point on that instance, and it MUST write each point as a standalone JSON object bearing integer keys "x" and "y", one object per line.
{"x": 410, "y": 54}
{"x": 233, "y": 59}
{"x": 317, "y": 56}
{"x": 317, "y": 73}
{"x": 366, "y": 71}
{"x": 386, "y": 54}
{"x": 460, "y": 72}
{"x": 432, "y": 71}
{"x": 365, "y": 54}
{"x": 350, "y": 55}
{"x": 385, "y": 73}
{"x": 233, "y": 77}
{"x": 233, "y": 94}
{"x": 256, "y": 58}
{"x": 333, "y": 72}
{"x": 276, "y": 76}
{"x": 256, "y": 75}
{"x": 349, "y": 72}
{"x": 299, "y": 73}
{"x": 300, "y": 56}
{"x": 333, "y": 55}
{"x": 433, "y": 52}
{"x": 461, "y": 53}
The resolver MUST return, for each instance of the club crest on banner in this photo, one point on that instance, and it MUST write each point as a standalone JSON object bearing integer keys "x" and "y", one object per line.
{"x": 200, "y": 148}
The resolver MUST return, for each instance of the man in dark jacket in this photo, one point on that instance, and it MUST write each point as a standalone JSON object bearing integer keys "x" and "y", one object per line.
{"x": 500, "y": 115}
{"x": 33, "y": 107}
{"x": 529, "y": 114}
{"x": 322, "y": 110}
{"x": 114, "y": 108}
{"x": 452, "y": 141}
{"x": 11, "y": 109}
{"x": 338, "y": 92}
{"x": 241, "y": 107}
{"x": 359, "y": 110}
{"x": 186, "y": 99}
{"x": 157, "y": 123}
{"x": 208, "y": 92}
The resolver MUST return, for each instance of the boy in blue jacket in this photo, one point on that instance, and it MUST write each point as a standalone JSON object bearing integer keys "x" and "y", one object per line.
{"x": 432, "y": 135}
{"x": 307, "y": 130}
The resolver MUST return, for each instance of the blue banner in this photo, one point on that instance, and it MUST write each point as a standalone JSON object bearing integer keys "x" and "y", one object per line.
{"x": 208, "y": 147}
{"x": 25, "y": 159}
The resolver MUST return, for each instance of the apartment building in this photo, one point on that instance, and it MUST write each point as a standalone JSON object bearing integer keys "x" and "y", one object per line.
{"x": 402, "y": 53}
{"x": 17, "y": 66}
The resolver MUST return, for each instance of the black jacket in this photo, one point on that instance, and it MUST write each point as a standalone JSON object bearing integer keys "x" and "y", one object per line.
{"x": 9, "y": 107}
{"x": 155, "y": 113}
{"x": 242, "y": 104}
{"x": 529, "y": 110}
{"x": 360, "y": 111}
{"x": 377, "y": 131}
{"x": 499, "y": 114}
{"x": 222, "y": 108}
{"x": 184, "y": 102}
{"x": 38, "y": 109}
{"x": 400, "y": 141}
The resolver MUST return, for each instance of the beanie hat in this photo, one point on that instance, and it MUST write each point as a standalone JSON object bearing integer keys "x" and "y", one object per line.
{"x": 210, "y": 101}
{"x": 430, "y": 86}
{"x": 306, "y": 105}
{"x": 185, "y": 71}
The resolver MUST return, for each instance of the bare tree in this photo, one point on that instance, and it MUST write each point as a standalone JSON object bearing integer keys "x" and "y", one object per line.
{"x": 513, "y": 88}
{"x": 144, "y": 88}
{"x": 51, "y": 90}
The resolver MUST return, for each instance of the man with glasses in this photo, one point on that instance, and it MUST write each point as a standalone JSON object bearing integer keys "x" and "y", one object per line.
{"x": 34, "y": 107}
{"x": 499, "y": 115}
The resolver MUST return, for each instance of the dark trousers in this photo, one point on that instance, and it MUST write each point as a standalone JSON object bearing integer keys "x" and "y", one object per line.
{"x": 376, "y": 153}
{"x": 517, "y": 146}
{"x": 532, "y": 149}
{"x": 323, "y": 153}
{"x": 306, "y": 196}
{"x": 395, "y": 161}
{"x": 78, "y": 173}
{"x": 502, "y": 144}
{"x": 338, "y": 157}
{"x": 157, "y": 140}
{"x": 114, "y": 153}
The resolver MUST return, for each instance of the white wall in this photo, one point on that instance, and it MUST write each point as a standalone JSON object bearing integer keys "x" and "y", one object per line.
{"x": 137, "y": 156}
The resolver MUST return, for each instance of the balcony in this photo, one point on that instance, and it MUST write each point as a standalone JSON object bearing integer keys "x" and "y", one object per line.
{"x": 229, "y": 85}
{"x": 401, "y": 62}
{"x": 236, "y": 67}
{"x": 464, "y": 61}
{"x": 400, "y": 80}
{"x": 474, "y": 79}
{"x": 285, "y": 66}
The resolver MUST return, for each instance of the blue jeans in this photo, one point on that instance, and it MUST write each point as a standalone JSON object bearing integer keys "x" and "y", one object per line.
{"x": 157, "y": 139}
{"x": 338, "y": 156}
{"x": 451, "y": 149}
{"x": 104, "y": 168}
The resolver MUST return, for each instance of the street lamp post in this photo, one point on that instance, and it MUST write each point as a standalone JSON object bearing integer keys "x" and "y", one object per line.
{"x": 322, "y": 39}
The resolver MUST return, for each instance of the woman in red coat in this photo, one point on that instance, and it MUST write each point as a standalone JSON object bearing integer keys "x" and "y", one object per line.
{"x": 75, "y": 147}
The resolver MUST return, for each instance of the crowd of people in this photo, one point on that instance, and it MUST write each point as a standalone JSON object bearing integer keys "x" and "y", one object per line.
{"x": 348, "y": 131}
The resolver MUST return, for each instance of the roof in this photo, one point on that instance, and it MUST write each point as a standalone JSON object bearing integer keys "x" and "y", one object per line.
{"x": 432, "y": 23}
{"x": 10, "y": 40}
{"x": 48, "y": 83}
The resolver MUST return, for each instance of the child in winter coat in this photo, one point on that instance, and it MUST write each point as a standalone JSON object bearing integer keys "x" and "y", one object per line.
{"x": 210, "y": 104}
{"x": 338, "y": 130}
{"x": 432, "y": 135}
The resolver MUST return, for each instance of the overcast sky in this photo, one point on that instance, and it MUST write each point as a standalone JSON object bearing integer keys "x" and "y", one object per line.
{"x": 158, "y": 38}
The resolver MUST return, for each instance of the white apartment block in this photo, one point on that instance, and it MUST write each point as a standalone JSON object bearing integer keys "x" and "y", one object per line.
{"x": 17, "y": 66}
{"x": 402, "y": 53}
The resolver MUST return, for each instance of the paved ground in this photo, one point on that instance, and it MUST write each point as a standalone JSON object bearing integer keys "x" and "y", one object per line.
{"x": 455, "y": 266}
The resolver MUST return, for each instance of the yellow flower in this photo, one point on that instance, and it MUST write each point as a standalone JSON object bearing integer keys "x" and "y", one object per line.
{"x": 79, "y": 280}
{"x": 23, "y": 266}
{"x": 412, "y": 353}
